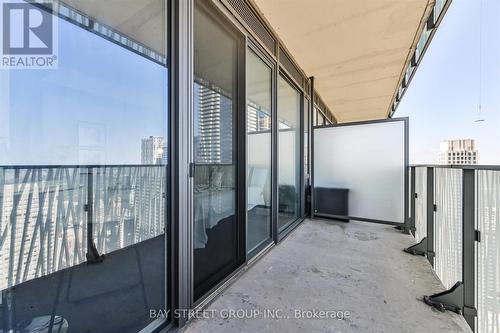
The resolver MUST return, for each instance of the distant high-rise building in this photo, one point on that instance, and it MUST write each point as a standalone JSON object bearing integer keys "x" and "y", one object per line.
{"x": 264, "y": 121}
{"x": 252, "y": 119}
{"x": 257, "y": 120}
{"x": 460, "y": 151}
{"x": 153, "y": 150}
{"x": 215, "y": 126}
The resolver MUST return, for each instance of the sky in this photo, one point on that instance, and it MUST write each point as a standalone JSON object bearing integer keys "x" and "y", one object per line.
{"x": 443, "y": 98}
{"x": 95, "y": 108}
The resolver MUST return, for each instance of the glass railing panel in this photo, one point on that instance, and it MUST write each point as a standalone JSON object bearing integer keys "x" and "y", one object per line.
{"x": 420, "y": 203}
{"x": 42, "y": 221}
{"x": 488, "y": 251}
{"x": 448, "y": 225}
{"x": 128, "y": 205}
{"x": 438, "y": 7}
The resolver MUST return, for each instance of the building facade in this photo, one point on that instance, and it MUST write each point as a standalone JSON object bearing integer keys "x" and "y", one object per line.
{"x": 215, "y": 123}
{"x": 459, "y": 152}
{"x": 153, "y": 150}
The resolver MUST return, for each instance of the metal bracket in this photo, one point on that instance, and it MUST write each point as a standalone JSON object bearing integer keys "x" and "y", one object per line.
{"x": 451, "y": 299}
{"x": 420, "y": 248}
{"x": 403, "y": 228}
{"x": 468, "y": 311}
{"x": 93, "y": 256}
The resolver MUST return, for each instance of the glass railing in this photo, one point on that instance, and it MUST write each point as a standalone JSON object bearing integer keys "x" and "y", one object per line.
{"x": 56, "y": 217}
{"x": 455, "y": 217}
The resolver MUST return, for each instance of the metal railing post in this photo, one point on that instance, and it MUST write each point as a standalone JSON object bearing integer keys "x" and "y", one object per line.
{"x": 413, "y": 196}
{"x": 430, "y": 215}
{"x": 89, "y": 210}
{"x": 92, "y": 255}
{"x": 469, "y": 237}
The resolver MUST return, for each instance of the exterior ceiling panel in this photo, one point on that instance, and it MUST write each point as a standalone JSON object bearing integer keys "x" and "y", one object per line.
{"x": 356, "y": 50}
{"x": 141, "y": 20}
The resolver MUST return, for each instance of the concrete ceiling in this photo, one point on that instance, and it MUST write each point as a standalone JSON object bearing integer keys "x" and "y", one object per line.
{"x": 142, "y": 20}
{"x": 357, "y": 50}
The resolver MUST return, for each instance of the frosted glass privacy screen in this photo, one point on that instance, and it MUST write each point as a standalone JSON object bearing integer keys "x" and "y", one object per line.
{"x": 369, "y": 161}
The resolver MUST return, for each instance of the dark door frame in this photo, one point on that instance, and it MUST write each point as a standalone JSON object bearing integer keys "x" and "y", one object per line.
{"x": 239, "y": 150}
{"x": 253, "y": 46}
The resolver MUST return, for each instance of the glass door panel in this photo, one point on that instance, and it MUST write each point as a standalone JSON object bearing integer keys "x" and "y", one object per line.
{"x": 216, "y": 233}
{"x": 289, "y": 153}
{"x": 259, "y": 122}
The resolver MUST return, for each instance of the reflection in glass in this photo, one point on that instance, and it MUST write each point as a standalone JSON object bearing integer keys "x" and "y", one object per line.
{"x": 289, "y": 153}
{"x": 259, "y": 79}
{"x": 215, "y": 234}
{"x": 83, "y": 151}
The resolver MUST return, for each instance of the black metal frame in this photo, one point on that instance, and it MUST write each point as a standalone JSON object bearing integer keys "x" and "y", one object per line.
{"x": 406, "y": 220}
{"x": 253, "y": 46}
{"x": 180, "y": 212}
{"x": 430, "y": 216}
{"x": 311, "y": 148}
{"x": 291, "y": 225}
{"x": 413, "y": 196}
{"x": 239, "y": 155}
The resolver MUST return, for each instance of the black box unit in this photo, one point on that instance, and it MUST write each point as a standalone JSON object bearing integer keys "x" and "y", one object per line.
{"x": 331, "y": 202}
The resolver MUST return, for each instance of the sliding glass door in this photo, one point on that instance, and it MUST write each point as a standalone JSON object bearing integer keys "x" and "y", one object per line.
{"x": 259, "y": 155}
{"x": 217, "y": 233}
{"x": 289, "y": 157}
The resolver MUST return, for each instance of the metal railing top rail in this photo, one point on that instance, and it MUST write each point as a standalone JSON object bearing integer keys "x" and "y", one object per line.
{"x": 458, "y": 166}
{"x": 82, "y": 166}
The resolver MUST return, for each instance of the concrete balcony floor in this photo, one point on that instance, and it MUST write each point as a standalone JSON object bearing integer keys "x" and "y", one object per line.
{"x": 327, "y": 265}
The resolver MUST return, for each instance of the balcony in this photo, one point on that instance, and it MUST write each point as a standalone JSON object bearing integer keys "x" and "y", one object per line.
{"x": 231, "y": 165}
{"x": 356, "y": 270}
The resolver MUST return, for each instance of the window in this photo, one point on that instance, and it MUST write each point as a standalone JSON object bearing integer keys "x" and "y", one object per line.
{"x": 83, "y": 166}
